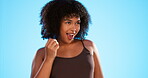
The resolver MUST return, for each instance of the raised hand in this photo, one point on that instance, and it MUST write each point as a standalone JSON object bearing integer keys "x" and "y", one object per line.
{"x": 51, "y": 48}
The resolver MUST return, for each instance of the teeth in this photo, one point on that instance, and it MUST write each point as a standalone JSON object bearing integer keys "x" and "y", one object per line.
{"x": 69, "y": 34}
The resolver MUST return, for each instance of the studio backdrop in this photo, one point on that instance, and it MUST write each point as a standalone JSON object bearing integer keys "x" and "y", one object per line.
{"x": 119, "y": 28}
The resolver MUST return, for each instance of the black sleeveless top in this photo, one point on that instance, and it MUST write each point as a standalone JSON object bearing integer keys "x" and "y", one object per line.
{"x": 80, "y": 66}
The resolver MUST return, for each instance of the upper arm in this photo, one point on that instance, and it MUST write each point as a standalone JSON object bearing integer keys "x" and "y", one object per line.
{"x": 94, "y": 51}
{"x": 97, "y": 70}
{"x": 37, "y": 61}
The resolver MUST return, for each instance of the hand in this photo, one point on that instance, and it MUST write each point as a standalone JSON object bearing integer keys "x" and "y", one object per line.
{"x": 51, "y": 48}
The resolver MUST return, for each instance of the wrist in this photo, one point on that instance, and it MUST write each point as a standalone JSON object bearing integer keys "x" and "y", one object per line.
{"x": 49, "y": 58}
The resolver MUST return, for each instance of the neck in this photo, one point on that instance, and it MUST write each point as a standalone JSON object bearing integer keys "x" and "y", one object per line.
{"x": 62, "y": 43}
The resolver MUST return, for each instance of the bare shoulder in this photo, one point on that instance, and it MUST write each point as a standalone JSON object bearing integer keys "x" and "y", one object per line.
{"x": 37, "y": 61}
{"x": 40, "y": 53}
{"x": 39, "y": 56}
{"x": 89, "y": 45}
{"x": 41, "y": 50}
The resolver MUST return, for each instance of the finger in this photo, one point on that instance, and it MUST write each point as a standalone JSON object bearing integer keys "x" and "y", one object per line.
{"x": 48, "y": 42}
{"x": 56, "y": 46}
{"x": 54, "y": 43}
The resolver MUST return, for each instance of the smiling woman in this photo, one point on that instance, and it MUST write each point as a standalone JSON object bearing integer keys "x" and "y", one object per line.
{"x": 69, "y": 28}
{"x": 56, "y": 10}
{"x": 67, "y": 54}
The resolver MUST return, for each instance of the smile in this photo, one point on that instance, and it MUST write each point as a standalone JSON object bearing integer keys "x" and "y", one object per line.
{"x": 70, "y": 36}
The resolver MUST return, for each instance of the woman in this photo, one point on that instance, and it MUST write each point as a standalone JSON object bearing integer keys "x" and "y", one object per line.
{"x": 66, "y": 54}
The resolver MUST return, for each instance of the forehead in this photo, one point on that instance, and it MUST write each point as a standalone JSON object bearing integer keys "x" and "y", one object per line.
{"x": 72, "y": 15}
{"x": 71, "y": 18}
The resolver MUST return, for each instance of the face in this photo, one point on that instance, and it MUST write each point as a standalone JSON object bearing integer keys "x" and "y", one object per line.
{"x": 69, "y": 29}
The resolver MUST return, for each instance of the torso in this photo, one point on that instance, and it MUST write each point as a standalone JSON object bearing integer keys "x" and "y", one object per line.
{"x": 74, "y": 61}
{"x": 72, "y": 50}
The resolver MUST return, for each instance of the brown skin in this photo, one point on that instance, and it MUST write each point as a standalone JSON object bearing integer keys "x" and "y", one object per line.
{"x": 92, "y": 48}
{"x": 63, "y": 48}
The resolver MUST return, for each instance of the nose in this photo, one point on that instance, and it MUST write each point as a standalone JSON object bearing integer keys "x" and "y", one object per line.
{"x": 73, "y": 29}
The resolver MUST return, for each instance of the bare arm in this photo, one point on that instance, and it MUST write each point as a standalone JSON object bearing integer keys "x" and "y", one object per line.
{"x": 92, "y": 48}
{"x": 42, "y": 68}
{"x": 97, "y": 71}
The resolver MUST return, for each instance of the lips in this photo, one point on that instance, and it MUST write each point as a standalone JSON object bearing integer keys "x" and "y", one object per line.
{"x": 70, "y": 36}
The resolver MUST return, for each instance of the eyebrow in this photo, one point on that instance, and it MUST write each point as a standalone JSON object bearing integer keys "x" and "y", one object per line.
{"x": 69, "y": 20}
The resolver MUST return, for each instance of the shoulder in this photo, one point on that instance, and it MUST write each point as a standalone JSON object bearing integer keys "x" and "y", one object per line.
{"x": 40, "y": 53}
{"x": 89, "y": 45}
{"x": 88, "y": 42}
{"x": 37, "y": 61}
{"x": 39, "y": 56}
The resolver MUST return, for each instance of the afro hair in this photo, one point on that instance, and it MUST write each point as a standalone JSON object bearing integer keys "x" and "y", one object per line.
{"x": 54, "y": 11}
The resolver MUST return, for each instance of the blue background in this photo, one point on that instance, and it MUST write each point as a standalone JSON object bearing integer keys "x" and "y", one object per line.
{"x": 119, "y": 29}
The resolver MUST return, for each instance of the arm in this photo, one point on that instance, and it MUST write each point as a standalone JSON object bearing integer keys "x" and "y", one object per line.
{"x": 43, "y": 61}
{"x": 92, "y": 48}
{"x": 40, "y": 66}
{"x": 97, "y": 71}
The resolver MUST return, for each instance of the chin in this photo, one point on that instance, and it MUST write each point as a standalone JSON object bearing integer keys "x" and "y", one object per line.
{"x": 69, "y": 41}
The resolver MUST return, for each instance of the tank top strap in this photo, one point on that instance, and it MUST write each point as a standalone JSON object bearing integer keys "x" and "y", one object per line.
{"x": 85, "y": 50}
{"x": 83, "y": 43}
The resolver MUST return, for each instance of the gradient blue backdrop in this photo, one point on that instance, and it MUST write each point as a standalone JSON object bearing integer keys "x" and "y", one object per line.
{"x": 119, "y": 29}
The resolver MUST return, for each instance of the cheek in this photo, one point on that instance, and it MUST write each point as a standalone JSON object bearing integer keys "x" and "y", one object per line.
{"x": 78, "y": 28}
{"x": 63, "y": 29}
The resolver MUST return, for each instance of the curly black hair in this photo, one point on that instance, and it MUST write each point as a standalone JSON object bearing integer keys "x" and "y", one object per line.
{"x": 54, "y": 11}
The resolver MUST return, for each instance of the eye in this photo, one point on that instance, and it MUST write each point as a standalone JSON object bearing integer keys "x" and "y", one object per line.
{"x": 78, "y": 23}
{"x": 67, "y": 22}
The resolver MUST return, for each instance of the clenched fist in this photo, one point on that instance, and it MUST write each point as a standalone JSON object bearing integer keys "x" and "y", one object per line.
{"x": 51, "y": 48}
